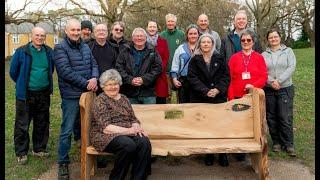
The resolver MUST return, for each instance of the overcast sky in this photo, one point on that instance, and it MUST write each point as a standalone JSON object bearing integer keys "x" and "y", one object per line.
{"x": 53, "y": 5}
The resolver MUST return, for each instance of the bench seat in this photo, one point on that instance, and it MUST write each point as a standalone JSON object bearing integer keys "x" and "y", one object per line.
{"x": 185, "y": 147}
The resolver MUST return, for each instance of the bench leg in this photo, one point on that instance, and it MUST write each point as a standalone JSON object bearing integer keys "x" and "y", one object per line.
{"x": 93, "y": 164}
{"x": 87, "y": 164}
{"x": 260, "y": 165}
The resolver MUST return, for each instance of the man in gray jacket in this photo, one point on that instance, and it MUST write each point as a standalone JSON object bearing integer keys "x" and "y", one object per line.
{"x": 230, "y": 42}
{"x": 203, "y": 24}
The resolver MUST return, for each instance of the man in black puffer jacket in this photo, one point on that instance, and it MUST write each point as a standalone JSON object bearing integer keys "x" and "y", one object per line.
{"x": 77, "y": 73}
{"x": 139, "y": 65}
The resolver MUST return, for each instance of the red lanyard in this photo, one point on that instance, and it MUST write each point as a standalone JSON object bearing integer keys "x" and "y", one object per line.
{"x": 246, "y": 60}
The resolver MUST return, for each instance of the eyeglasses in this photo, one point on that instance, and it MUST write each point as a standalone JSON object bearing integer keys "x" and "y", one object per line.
{"x": 246, "y": 40}
{"x": 120, "y": 30}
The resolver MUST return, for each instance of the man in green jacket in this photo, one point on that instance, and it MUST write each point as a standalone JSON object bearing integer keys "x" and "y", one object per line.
{"x": 174, "y": 37}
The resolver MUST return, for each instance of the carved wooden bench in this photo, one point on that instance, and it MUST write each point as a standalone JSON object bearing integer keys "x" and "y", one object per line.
{"x": 237, "y": 126}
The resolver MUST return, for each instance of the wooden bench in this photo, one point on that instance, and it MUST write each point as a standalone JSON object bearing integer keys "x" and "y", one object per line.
{"x": 237, "y": 126}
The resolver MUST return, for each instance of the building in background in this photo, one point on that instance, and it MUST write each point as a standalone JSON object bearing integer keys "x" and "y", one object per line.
{"x": 18, "y": 35}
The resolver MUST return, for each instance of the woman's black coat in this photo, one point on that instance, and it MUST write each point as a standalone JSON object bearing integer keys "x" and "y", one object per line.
{"x": 202, "y": 80}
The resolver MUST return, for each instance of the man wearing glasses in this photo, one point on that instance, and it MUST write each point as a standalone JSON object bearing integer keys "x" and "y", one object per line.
{"x": 116, "y": 39}
{"x": 31, "y": 69}
{"x": 230, "y": 42}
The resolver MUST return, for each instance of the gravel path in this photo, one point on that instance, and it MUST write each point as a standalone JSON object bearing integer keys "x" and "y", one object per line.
{"x": 193, "y": 168}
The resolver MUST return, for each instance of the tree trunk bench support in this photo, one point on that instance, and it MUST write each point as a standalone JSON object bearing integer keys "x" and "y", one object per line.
{"x": 237, "y": 126}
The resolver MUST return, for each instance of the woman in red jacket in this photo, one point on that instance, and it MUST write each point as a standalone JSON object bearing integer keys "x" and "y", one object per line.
{"x": 247, "y": 68}
{"x": 161, "y": 46}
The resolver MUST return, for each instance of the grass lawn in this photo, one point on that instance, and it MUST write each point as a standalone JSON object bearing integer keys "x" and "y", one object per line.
{"x": 304, "y": 111}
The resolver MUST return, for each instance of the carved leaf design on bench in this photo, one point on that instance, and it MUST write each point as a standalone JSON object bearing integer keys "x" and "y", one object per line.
{"x": 240, "y": 107}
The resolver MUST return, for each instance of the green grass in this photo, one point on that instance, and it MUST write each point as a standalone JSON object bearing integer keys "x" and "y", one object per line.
{"x": 35, "y": 166}
{"x": 303, "y": 122}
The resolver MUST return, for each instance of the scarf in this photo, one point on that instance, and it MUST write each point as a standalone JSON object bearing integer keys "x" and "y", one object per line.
{"x": 153, "y": 40}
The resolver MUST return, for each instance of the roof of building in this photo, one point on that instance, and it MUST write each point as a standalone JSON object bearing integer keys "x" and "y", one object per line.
{"x": 27, "y": 27}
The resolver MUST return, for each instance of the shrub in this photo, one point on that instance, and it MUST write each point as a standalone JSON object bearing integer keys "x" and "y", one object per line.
{"x": 301, "y": 44}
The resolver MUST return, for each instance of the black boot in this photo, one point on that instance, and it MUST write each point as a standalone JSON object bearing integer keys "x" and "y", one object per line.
{"x": 63, "y": 172}
{"x": 223, "y": 160}
{"x": 208, "y": 160}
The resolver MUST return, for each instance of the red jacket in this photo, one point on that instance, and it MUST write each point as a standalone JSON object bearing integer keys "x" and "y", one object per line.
{"x": 258, "y": 72}
{"x": 161, "y": 83}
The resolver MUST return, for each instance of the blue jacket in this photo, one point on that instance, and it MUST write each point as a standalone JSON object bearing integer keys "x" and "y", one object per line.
{"x": 21, "y": 66}
{"x": 75, "y": 66}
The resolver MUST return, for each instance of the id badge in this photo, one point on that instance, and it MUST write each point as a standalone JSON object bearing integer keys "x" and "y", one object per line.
{"x": 246, "y": 75}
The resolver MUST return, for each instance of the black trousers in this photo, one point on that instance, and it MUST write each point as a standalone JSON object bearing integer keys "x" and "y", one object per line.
{"x": 161, "y": 100}
{"x": 184, "y": 90}
{"x": 129, "y": 150}
{"x": 279, "y": 111}
{"x": 36, "y": 108}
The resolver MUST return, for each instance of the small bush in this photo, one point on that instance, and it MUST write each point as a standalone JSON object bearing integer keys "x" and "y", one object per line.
{"x": 301, "y": 44}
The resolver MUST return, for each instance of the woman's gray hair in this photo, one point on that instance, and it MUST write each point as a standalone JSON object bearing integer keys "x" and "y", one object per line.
{"x": 110, "y": 75}
{"x": 197, "y": 48}
{"x": 247, "y": 32}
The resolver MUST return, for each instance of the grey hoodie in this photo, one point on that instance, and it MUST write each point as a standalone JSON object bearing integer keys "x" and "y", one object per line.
{"x": 281, "y": 65}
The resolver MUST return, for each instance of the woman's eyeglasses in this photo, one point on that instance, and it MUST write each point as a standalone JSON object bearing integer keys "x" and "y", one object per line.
{"x": 246, "y": 40}
{"x": 120, "y": 30}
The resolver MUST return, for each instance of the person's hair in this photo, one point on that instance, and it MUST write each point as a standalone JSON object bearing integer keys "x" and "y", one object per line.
{"x": 203, "y": 14}
{"x": 110, "y": 75}
{"x": 72, "y": 20}
{"x": 169, "y": 16}
{"x": 120, "y": 23}
{"x": 197, "y": 48}
{"x": 135, "y": 31}
{"x": 190, "y": 27}
{"x": 99, "y": 25}
{"x": 272, "y": 31}
{"x": 247, "y": 32}
{"x": 240, "y": 12}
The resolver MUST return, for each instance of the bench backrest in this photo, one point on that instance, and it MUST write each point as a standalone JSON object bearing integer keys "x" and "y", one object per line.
{"x": 193, "y": 121}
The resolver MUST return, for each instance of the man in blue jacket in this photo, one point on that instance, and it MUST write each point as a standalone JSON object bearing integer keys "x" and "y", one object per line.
{"x": 77, "y": 73}
{"x": 31, "y": 69}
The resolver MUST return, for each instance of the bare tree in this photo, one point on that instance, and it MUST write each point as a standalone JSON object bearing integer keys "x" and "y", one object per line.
{"x": 305, "y": 17}
{"x": 17, "y": 16}
{"x": 268, "y": 14}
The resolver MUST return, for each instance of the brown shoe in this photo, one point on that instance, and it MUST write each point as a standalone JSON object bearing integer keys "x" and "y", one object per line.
{"x": 276, "y": 148}
{"x": 290, "y": 152}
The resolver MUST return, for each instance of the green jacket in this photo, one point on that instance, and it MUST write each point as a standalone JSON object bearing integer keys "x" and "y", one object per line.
{"x": 174, "y": 39}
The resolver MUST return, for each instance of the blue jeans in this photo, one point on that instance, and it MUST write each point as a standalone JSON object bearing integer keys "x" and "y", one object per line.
{"x": 143, "y": 100}
{"x": 70, "y": 115}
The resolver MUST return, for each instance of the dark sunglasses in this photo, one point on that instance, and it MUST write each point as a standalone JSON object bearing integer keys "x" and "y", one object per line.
{"x": 244, "y": 40}
{"x": 121, "y": 30}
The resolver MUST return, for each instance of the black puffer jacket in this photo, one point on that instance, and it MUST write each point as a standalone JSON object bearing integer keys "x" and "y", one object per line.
{"x": 150, "y": 69}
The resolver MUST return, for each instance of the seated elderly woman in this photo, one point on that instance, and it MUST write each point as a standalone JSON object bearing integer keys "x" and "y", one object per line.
{"x": 115, "y": 129}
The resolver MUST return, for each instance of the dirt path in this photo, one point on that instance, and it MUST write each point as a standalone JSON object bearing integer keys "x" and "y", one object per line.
{"x": 193, "y": 168}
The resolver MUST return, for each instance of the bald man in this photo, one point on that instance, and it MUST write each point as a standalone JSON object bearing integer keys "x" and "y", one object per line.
{"x": 203, "y": 24}
{"x": 77, "y": 73}
{"x": 31, "y": 69}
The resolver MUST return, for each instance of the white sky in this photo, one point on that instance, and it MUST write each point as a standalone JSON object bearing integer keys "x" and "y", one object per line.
{"x": 53, "y": 5}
